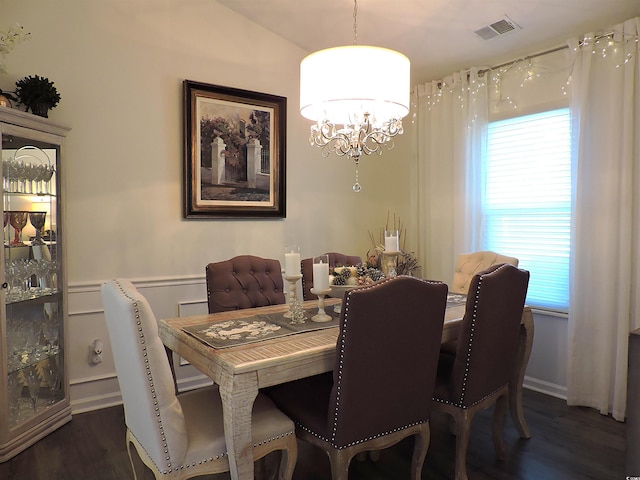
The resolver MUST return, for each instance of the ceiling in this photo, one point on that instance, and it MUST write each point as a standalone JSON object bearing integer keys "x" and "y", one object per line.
{"x": 437, "y": 35}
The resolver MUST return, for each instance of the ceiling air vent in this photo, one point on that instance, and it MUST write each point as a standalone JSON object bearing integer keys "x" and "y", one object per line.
{"x": 505, "y": 25}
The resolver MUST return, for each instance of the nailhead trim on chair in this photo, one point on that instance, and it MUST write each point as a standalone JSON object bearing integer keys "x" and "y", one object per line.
{"x": 136, "y": 312}
{"x": 338, "y": 384}
{"x": 460, "y": 403}
{"x": 157, "y": 409}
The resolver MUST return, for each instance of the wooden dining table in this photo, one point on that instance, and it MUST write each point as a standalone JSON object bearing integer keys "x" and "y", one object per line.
{"x": 240, "y": 371}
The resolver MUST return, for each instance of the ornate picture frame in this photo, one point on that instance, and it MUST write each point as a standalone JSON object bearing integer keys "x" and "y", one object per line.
{"x": 234, "y": 152}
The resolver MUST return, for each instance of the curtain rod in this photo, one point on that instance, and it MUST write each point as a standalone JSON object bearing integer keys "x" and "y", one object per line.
{"x": 528, "y": 57}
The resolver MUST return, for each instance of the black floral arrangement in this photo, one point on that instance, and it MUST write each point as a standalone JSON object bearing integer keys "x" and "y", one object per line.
{"x": 38, "y": 94}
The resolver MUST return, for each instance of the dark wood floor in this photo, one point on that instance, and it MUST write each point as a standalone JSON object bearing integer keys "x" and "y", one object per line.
{"x": 568, "y": 443}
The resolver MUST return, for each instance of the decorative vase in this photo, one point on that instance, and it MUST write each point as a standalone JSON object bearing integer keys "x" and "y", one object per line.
{"x": 41, "y": 109}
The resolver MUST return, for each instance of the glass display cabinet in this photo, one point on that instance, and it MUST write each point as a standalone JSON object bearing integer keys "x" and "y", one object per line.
{"x": 34, "y": 391}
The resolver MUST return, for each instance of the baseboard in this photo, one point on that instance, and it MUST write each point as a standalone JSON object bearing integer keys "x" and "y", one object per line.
{"x": 548, "y": 388}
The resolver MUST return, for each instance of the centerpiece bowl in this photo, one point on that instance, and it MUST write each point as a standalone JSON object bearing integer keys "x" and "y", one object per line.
{"x": 339, "y": 291}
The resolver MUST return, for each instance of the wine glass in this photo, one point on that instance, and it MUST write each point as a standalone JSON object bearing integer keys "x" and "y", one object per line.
{"x": 10, "y": 175}
{"x": 15, "y": 393}
{"x": 51, "y": 374}
{"x": 42, "y": 272}
{"x": 18, "y": 221}
{"x": 51, "y": 333}
{"x": 37, "y": 220}
{"x": 47, "y": 173}
{"x": 33, "y": 383}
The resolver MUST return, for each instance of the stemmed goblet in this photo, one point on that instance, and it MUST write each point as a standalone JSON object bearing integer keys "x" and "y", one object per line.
{"x": 37, "y": 220}
{"x": 15, "y": 394}
{"x": 51, "y": 375}
{"x": 33, "y": 383}
{"x": 18, "y": 221}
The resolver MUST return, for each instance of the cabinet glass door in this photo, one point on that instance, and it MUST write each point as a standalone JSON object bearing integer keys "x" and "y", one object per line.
{"x": 32, "y": 293}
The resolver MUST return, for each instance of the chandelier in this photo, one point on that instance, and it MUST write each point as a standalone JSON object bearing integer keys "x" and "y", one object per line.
{"x": 357, "y": 95}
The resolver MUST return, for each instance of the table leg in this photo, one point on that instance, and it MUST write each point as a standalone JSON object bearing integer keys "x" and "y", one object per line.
{"x": 172, "y": 366}
{"x": 238, "y": 393}
{"x": 525, "y": 343}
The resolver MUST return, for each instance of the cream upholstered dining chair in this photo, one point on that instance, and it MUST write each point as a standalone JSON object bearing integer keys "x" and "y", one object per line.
{"x": 335, "y": 259}
{"x": 468, "y": 264}
{"x": 477, "y": 375}
{"x": 244, "y": 281}
{"x": 370, "y": 400}
{"x": 177, "y": 436}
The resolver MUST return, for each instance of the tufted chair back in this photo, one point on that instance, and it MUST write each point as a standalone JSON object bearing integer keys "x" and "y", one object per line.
{"x": 244, "y": 281}
{"x": 144, "y": 375}
{"x": 335, "y": 259}
{"x": 468, "y": 264}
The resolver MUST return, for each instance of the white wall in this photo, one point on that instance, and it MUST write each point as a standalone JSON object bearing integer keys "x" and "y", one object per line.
{"x": 119, "y": 66}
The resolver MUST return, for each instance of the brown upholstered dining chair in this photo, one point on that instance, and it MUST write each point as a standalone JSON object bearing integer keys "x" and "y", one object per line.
{"x": 370, "y": 400}
{"x": 477, "y": 375}
{"x": 244, "y": 281}
{"x": 468, "y": 264}
{"x": 177, "y": 436}
{"x": 335, "y": 259}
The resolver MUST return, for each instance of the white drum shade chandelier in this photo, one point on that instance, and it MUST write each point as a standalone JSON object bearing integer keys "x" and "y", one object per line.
{"x": 357, "y": 95}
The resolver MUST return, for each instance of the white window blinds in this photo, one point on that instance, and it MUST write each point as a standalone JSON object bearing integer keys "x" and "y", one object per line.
{"x": 526, "y": 200}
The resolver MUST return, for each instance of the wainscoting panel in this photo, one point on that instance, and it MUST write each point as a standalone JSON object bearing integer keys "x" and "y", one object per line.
{"x": 95, "y": 386}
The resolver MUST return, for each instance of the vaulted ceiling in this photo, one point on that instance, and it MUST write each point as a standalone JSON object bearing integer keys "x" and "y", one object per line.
{"x": 438, "y": 36}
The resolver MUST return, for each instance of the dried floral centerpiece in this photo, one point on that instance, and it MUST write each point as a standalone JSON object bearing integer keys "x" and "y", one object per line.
{"x": 407, "y": 262}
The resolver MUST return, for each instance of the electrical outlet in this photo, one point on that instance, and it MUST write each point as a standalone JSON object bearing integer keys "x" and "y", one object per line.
{"x": 95, "y": 352}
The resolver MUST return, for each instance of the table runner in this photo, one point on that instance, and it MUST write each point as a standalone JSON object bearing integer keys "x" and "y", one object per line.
{"x": 455, "y": 299}
{"x": 230, "y": 333}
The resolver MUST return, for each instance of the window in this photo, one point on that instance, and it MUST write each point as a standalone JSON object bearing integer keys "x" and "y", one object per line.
{"x": 526, "y": 200}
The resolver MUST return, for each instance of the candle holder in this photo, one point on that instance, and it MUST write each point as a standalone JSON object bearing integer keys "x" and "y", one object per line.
{"x": 296, "y": 312}
{"x": 321, "y": 316}
{"x": 390, "y": 259}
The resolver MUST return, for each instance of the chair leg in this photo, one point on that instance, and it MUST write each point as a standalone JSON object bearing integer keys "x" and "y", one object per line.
{"x": 131, "y": 447}
{"x": 288, "y": 457}
{"x": 498, "y": 424}
{"x": 260, "y": 469}
{"x": 420, "y": 452}
{"x": 339, "y": 460}
{"x": 463, "y": 427}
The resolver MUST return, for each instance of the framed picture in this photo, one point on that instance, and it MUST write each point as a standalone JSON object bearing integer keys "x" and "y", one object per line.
{"x": 234, "y": 152}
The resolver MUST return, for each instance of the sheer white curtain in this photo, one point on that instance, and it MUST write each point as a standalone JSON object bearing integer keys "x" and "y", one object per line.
{"x": 449, "y": 118}
{"x": 605, "y": 287}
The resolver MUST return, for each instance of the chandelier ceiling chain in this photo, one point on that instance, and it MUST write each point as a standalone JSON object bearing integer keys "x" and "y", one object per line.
{"x": 357, "y": 96}
{"x": 355, "y": 22}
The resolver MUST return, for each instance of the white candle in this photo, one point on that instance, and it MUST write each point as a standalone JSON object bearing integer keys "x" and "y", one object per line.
{"x": 391, "y": 241}
{"x": 321, "y": 276}
{"x": 291, "y": 264}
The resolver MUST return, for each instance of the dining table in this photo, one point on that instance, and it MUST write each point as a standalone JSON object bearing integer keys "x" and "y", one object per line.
{"x": 242, "y": 370}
